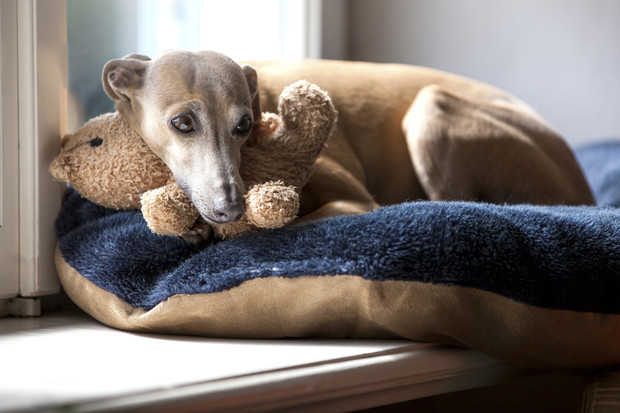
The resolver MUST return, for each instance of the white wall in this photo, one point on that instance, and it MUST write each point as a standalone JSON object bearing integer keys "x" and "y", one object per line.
{"x": 335, "y": 29}
{"x": 560, "y": 56}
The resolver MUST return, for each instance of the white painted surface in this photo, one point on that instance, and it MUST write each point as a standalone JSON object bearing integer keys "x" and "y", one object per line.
{"x": 9, "y": 195}
{"x": 42, "y": 56}
{"x": 71, "y": 361}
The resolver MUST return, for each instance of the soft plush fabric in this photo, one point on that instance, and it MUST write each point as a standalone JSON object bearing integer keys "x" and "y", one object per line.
{"x": 529, "y": 284}
{"x": 601, "y": 162}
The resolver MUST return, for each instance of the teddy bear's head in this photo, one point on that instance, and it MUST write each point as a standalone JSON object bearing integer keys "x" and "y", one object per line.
{"x": 108, "y": 163}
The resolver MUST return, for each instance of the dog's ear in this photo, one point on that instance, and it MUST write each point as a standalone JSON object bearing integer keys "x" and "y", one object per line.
{"x": 137, "y": 56}
{"x": 122, "y": 77}
{"x": 252, "y": 79}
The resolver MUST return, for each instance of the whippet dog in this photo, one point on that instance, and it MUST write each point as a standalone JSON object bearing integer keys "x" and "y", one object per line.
{"x": 403, "y": 133}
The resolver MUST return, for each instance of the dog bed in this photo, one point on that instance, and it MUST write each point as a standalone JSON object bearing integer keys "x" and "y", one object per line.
{"x": 528, "y": 284}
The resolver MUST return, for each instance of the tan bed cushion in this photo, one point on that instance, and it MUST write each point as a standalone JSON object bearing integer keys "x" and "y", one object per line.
{"x": 531, "y": 285}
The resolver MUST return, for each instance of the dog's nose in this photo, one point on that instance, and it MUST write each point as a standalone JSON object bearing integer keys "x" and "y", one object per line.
{"x": 227, "y": 211}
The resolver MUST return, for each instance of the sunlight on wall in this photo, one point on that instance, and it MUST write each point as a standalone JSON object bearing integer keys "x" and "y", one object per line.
{"x": 241, "y": 29}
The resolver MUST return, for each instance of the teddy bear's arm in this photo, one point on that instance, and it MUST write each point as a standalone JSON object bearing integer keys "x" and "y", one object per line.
{"x": 309, "y": 117}
{"x": 168, "y": 211}
{"x": 268, "y": 205}
{"x": 271, "y": 204}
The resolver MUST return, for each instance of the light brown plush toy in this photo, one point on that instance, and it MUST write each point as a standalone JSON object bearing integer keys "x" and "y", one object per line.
{"x": 107, "y": 162}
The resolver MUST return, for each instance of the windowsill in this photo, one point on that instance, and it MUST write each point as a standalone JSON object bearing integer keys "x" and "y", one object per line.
{"x": 88, "y": 366}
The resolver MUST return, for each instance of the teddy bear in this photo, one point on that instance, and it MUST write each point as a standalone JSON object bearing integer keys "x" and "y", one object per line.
{"x": 107, "y": 162}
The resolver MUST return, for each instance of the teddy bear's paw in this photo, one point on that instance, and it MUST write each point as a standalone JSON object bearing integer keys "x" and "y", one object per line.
{"x": 166, "y": 213}
{"x": 271, "y": 205}
{"x": 306, "y": 107}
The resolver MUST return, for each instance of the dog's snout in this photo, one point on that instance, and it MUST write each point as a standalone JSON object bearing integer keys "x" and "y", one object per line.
{"x": 227, "y": 211}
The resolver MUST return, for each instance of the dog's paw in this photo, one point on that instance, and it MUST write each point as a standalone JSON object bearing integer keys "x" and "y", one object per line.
{"x": 234, "y": 229}
{"x": 201, "y": 231}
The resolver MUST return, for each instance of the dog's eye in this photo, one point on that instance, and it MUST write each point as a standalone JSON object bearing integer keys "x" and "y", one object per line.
{"x": 183, "y": 123}
{"x": 244, "y": 126}
{"x": 95, "y": 142}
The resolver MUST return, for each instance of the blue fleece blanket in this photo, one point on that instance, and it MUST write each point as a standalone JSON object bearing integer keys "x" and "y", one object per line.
{"x": 553, "y": 257}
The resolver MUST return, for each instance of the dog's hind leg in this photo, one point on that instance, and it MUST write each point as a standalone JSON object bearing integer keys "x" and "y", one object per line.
{"x": 496, "y": 151}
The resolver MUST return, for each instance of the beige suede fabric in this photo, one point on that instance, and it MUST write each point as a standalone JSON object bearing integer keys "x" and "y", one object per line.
{"x": 350, "y": 306}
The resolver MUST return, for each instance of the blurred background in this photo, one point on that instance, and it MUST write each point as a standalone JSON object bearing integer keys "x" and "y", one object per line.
{"x": 560, "y": 56}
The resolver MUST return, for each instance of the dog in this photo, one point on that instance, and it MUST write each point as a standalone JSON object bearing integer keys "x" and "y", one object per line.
{"x": 404, "y": 133}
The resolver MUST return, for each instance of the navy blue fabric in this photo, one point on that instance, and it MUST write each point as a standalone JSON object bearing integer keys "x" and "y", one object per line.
{"x": 601, "y": 163}
{"x": 554, "y": 257}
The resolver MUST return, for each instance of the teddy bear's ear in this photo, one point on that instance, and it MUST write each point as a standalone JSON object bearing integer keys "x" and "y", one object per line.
{"x": 252, "y": 78}
{"x": 122, "y": 77}
{"x": 64, "y": 141}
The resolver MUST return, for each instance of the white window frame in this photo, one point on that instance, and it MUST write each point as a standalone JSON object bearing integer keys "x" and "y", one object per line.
{"x": 41, "y": 59}
{"x": 9, "y": 194}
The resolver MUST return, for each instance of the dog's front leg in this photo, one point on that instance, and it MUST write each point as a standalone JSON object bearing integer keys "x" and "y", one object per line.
{"x": 331, "y": 191}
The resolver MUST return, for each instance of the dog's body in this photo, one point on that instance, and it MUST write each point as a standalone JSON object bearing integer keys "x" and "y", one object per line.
{"x": 403, "y": 133}
{"x": 407, "y": 133}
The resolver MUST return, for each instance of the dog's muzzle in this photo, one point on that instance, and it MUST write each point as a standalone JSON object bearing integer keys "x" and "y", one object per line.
{"x": 225, "y": 211}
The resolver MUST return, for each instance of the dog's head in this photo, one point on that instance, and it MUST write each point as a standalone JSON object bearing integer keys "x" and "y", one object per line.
{"x": 194, "y": 110}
